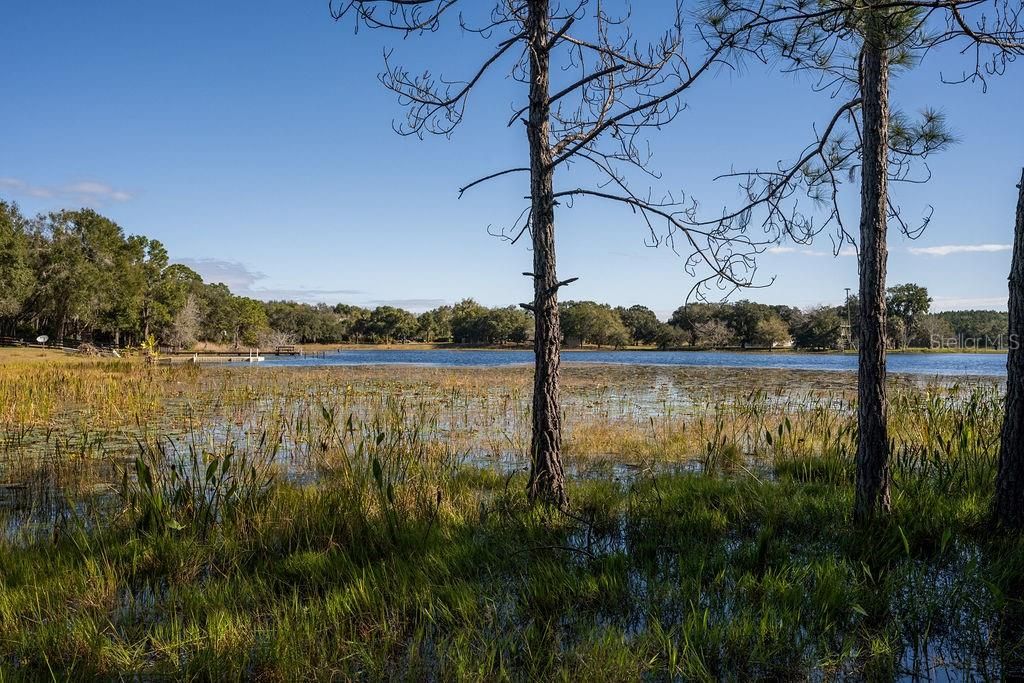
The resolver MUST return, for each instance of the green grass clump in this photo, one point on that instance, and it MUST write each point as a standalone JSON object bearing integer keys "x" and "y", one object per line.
{"x": 681, "y": 576}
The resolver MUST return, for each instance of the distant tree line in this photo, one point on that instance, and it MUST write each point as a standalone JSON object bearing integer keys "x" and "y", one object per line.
{"x": 743, "y": 324}
{"x": 75, "y": 275}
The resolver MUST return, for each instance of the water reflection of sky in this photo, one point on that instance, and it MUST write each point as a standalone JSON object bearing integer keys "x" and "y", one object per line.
{"x": 933, "y": 364}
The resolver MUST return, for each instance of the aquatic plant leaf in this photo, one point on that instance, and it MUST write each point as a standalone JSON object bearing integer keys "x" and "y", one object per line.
{"x": 378, "y": 474}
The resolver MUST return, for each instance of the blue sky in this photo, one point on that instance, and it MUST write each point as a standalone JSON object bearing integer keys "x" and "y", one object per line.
{"x": 255, "y": 141}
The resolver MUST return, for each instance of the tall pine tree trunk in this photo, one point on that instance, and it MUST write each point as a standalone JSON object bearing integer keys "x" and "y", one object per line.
{"x": 872, "y": 494}
{"x": 547, "y": 481}
{"x": 1009, "y": 503}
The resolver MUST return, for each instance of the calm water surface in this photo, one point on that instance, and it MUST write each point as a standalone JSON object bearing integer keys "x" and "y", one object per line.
{"x": 992, "y": 364}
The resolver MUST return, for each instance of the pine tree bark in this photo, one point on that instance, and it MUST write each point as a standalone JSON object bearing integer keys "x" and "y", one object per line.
{"x": 547, "y": 480}
{"x": 1009, "y": 502}
{"x": 873, "y": 477}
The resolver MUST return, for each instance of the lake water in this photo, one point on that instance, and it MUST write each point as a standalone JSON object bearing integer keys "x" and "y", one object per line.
{"x": 945, "y": 364}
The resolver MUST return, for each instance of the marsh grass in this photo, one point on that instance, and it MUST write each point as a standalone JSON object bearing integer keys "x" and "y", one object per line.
{"x": 371, "y": 524}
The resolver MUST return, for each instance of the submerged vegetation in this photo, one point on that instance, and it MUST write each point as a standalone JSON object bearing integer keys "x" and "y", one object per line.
{"x": 372, "y": 523}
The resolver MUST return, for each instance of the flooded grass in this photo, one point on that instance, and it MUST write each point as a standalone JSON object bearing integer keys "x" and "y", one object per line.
{"x": 371, "y": 523}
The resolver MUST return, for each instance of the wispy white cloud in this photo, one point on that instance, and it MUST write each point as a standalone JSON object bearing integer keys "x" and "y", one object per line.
{"x": 414, "y": 305}
{"x": 90, "y": 188}
{"x": 947, "y": 249}
{"x": 847, "y": 250}
{"x": 236, "y": 275}
{"x": 953, "y": 303}
{"x": 83, "y": 191}
{"x": 242, "y": 280}
{"x": 303, "y": 296}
